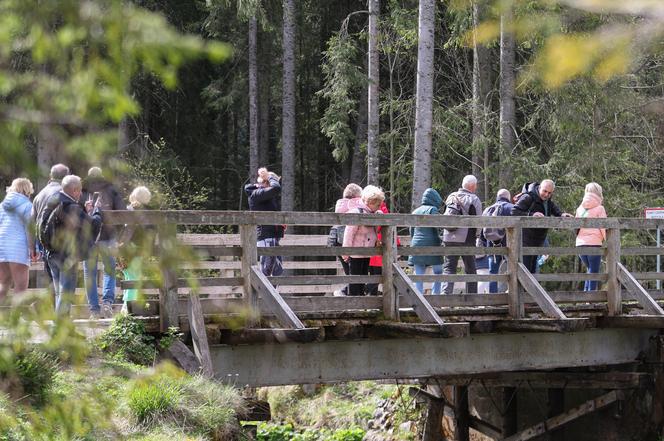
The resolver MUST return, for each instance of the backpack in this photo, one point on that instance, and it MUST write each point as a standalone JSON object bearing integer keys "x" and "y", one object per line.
{"x": 50, "y": 220}
{"x": 494, "y": 234}
{"x": 453, "y": 208}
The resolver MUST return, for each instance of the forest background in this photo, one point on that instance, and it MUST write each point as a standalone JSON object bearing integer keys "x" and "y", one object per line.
{"x": 562, "y": 90}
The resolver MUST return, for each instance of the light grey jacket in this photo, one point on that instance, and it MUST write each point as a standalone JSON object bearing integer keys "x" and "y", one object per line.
{"x": 466, "y": 200}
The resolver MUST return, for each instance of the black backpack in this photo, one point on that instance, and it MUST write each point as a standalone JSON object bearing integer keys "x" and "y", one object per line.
{"x": 50, "y": 220}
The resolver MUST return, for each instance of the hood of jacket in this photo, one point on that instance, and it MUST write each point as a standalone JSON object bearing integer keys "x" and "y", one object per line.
{"x": 432, "y": 197}
{"x": 14, "y": 200}
{"x": 590, "y": 201}
{"x": 345, "y": 205}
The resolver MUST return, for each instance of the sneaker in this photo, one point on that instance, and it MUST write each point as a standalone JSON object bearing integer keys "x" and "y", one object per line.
{"x": 338, "y": 293}
{"x": 107, "y": 310}
{"x": 94, "y": 315}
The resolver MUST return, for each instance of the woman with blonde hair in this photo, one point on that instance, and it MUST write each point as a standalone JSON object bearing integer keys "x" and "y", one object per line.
{"x": 362, "y": 236}
{"x": 591, "y": 207}
{"x": 16, "y": 242}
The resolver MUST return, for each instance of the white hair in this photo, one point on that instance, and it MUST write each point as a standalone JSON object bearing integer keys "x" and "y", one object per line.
{"x": 140, "y": 197}
{"x": 504, "y": 193}
{"x": 59, "y": 171}
{"x": 468, "y": 181}
{"x": 372, "y": 193}
{"x": 95, "y": 172}
{"x": 71, "y": 183}
{"x": 548, "y": 181}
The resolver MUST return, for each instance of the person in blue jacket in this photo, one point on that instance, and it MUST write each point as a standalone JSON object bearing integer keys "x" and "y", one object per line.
{"x": 16, "y": 242}
{"x": 427, "y": 237}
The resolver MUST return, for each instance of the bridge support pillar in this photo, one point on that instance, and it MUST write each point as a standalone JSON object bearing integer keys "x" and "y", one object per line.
{"x": 462, "y": 413}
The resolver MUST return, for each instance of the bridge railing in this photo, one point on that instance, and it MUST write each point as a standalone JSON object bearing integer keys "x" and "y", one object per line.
{"x": 524, "y": 291}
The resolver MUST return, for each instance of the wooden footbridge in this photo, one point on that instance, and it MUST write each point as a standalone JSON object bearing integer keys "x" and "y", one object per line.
{"x": 252, "y": 330}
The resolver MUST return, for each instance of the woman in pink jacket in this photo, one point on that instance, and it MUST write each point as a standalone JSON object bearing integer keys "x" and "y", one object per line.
{"x": 362, "y": 236}
{"x": 591, "y": 206}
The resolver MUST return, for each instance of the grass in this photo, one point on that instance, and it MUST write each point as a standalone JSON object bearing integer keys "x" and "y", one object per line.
{"x": 337, "y": 412}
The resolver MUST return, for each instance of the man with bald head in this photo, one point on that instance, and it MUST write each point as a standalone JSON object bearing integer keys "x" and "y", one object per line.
{"x": 536, "y": 202}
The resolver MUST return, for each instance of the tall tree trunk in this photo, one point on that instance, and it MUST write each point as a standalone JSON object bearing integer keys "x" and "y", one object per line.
{"x": 288, "y": 110}
{"x": 357, "y": 167}
{"x": 49, "y": 152}
{"x": 481, "y": 89}
{"x": 424, "y": 104}
{"x": 265, "y": 65}
{"x": 124, "y": 134}
{"x": 253, "y": 97}
{"x": 373, "y": 145}
{"x": 507, "y": 92}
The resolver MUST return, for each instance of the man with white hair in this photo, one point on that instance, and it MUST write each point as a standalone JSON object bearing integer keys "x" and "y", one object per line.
{"x": 58, "y": 171}
{"x": 73, "y": 229}
{"x": 536, "y": 202}
{"x": 104, "y": 194}
{"x": 462, "y": 202}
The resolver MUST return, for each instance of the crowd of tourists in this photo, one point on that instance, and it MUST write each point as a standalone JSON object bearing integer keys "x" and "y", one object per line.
{"x": 535, "y": 199}
{"x": 64, "y": 226}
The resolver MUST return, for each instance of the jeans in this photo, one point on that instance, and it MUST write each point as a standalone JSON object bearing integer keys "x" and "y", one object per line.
{"x": 103, "y": 250}
{"x": 592, "y": 263}
{"x": 451, "y": 263}
{"x": 64, "y": 284}
{"x": 270, "y": 265}
{"x": 494, "y": 266}
{"x": 422, "y": 269}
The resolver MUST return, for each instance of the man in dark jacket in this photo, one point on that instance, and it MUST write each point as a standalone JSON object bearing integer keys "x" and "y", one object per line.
{"x": 103, "y": 194}
{"x": 54, "y": 186}
{"x": 73, "y": 238}
{"x": 536, "y": 202}
{"x": 265, "y": 195}
{"x": 502, "y": 207}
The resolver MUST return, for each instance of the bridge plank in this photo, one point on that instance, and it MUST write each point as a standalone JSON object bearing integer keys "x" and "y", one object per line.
{"x": 248, "y": 236}
{"x": 412, "y": 297}
{"x": 538, "y": 293}
{"x": 203, "y": 217}
{"x": 638, "y": 292}
{"x": 273, "y": 300}
{"x": 451, "y": 251}
{"x": 515, "y": 301}
{"x": 391, "y": 330}
{"x": 389, "y": 258}
{"x": 271, "y": 335}
{"x": 614, "y": 294}
{"x": 199, "y": 335}
{"x": 566, "y": 417}
{"x": 545, "y": 380}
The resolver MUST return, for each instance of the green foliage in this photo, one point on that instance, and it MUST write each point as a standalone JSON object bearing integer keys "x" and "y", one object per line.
{"x": 69, "y": 64}
{"x": 126, "y": 340}
{"x": 30, "y": 374}
{"x": 149, "y": 401}
{"x": 287, "y": 432}
{"x": 172, "y": 334}
{"x": 343, "y": 82}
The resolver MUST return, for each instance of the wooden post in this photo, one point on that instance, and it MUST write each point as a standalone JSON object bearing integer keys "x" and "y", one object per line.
{"x": 390, "y": 295}
{"x": 168, "y": 294}
{"x": 514, "y": 239}
{"x": 614, "y": 294}
{"x": 249, "y": 258}
{"x": 462, "y": 413}
{"x": 199, "y": 335}
{"x": 509, "y": 426}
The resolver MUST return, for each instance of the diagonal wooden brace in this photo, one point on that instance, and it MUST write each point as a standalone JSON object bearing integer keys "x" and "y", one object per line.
{"x": 636, "y": 289}
{"x": 273, "y": 300}
{"x": 538, "y": 293}
{"x": 422, "y": 307}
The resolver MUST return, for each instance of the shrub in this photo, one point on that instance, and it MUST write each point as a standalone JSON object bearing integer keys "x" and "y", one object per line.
{"x": 149, "y": 400}
{"x": 126, "y": 340}
{"x": 35, "y": 371}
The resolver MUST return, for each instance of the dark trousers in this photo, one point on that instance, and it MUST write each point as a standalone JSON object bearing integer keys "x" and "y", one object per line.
{"x": 346, "y": 267}
{"x": 530, "y": 262}
{"x": 450, "y": 267}
{"x": 372, "y": 288}
{"x": 358, "y": 267}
